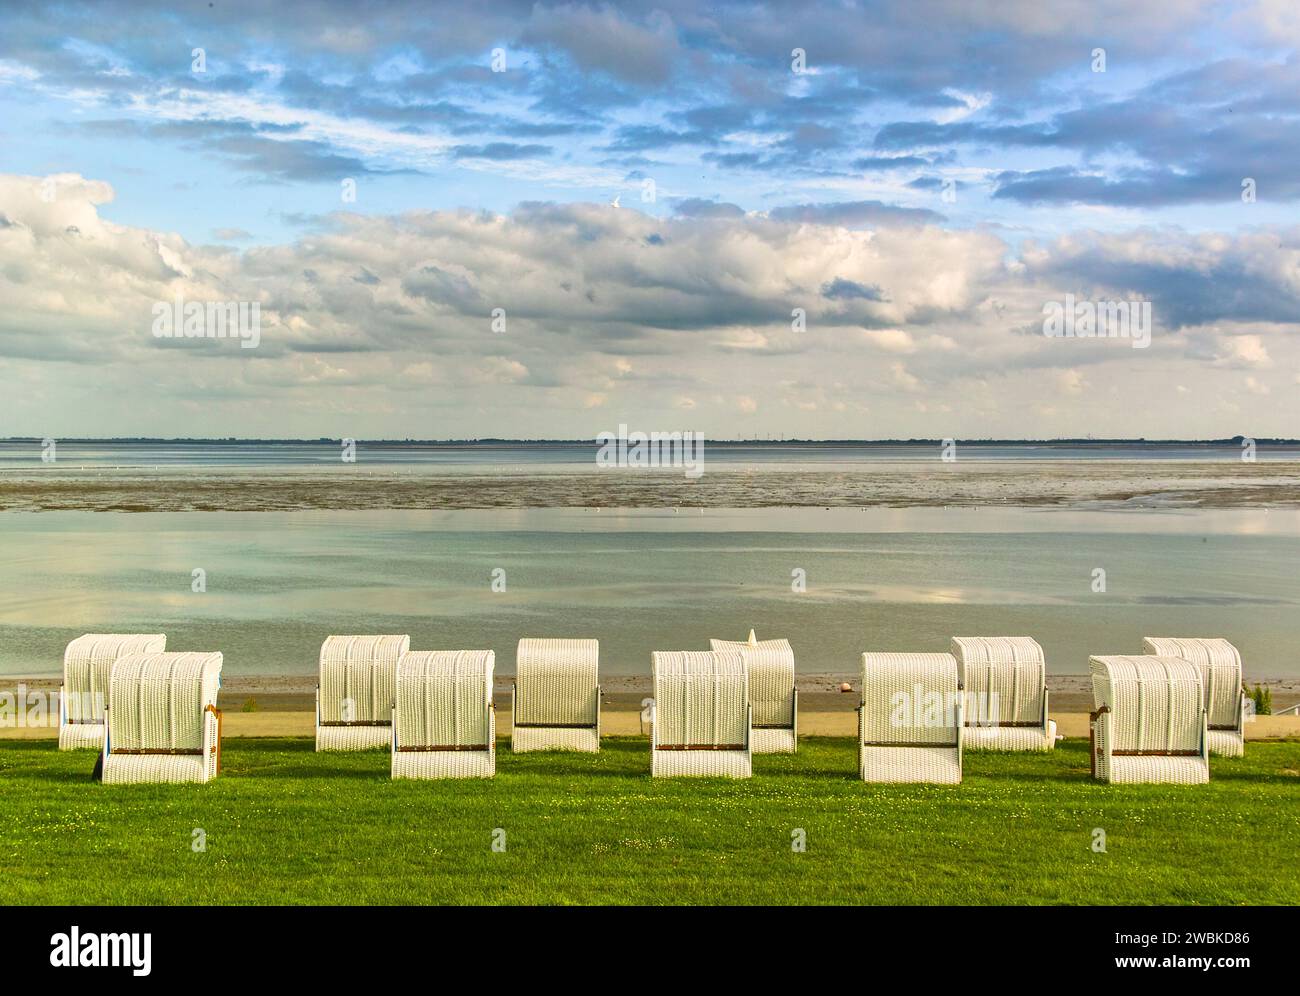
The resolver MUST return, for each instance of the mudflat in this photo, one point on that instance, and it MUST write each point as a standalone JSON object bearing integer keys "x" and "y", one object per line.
{"x": 1048, "y": 483}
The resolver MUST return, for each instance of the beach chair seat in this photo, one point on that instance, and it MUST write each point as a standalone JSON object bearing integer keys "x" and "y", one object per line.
{"x": 162, "y": 722}
{"x": 1004, "y": 681}
{"x": 444, "y": 723}
{"x": 1149, "y": 722}
{"x": 87, "y": 669}
{"x": 772, "y": 692}
{"x": 1225, "y": 700}
{"x": 701, "y": 724}
{"x": 910, "y": 719}
{"x": 355, "y": 691}
{"x": 555, "y": 704}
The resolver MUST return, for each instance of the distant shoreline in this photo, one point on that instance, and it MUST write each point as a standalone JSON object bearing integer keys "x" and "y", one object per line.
{"x": 489, "y": 442}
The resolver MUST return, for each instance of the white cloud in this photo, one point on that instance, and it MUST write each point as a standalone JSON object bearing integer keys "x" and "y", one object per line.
{"x": 891, "y": 340}
{"x": 384, "y": 321}
{"x": 1243, "y": 351}
{"x": 902, "y": 378}
{"x": 1071, "y": 382}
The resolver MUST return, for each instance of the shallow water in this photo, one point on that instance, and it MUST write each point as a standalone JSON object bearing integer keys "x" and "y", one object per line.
{"x": 882, "y": 579}
{"x": 471, "y": 457}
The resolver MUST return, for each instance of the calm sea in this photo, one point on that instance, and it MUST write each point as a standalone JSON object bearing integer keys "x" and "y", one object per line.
{"x": 277, "y": 583}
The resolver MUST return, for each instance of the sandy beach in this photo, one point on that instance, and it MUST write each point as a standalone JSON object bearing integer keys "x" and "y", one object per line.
{"x": 283, "y": 705}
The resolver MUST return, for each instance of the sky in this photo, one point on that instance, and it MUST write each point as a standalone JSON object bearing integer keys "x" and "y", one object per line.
{"x": 544, "y": 220}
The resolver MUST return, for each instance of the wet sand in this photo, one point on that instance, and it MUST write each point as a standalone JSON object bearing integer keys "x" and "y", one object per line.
{"x": 1047, "y": 483}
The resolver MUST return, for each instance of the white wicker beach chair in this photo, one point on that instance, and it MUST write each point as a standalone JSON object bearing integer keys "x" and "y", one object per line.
{"x": 1004, "y": 681}
{"x": 702, "y": 715}
{"x": 162, "y": 723}
{"x": 910, "y": 719}
{"x": 444, "y": 724}
{"x": 87, "y": 668}
{"x": 1149, "y": 723}
{"x": 354, "y": 696}
{"x": 771, "y": 692}
{"x": 1225, "y": 701}
{"x": 555, "y": 704}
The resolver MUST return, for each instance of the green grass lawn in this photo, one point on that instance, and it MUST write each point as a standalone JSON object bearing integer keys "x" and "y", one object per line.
{"x": 287, "y": 825}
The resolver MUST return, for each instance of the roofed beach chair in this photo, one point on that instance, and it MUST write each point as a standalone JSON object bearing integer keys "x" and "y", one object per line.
{"x": 1149, "y": 723}
{"x": 355, "y": 691}
{"x": 771, "y": 692}
{"x": 1004, "y": 680}
{"x": 162, "y": 723}
{"x": 556, "y": 700}
{"x": 444, "y": 724}
{"x": 87, "y": 668}
{"x": 1225, "y": 702}
{"x": 910, "y": 719}
{"x": 702, "y": 715}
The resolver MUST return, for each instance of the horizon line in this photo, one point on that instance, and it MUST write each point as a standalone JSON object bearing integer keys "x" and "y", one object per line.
{"x": 731, "y": 441}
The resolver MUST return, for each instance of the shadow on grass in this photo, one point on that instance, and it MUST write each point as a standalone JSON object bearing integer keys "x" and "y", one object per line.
{"x": 42, "y": 745}
{"x": 1252, "y": 777}
{"x": 66, "y": 776}
{"x": 267, "y": 772}
{"x": 847, "y": 774}
{"x": 297, "y": 757}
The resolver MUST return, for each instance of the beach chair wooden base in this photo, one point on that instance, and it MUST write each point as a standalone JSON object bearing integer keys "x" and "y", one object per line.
{"x": 138, "y": 769}
{"x": 774, "y": 740}
{"x": 524, "y": 739}
{"x": 1158, "y": 770}
{"x": 927, "y": 765}
{"x": 354, "y": 737}
{"x": 701, "y": 763}
{"x": 81, "y": 736}
{"x": 448, "y": 763}
{"x": 1010, "y": 738}
{"x": 1226, "y": 743}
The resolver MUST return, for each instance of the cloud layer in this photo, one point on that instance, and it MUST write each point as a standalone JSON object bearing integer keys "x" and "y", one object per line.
{"x": 730, "y": 322}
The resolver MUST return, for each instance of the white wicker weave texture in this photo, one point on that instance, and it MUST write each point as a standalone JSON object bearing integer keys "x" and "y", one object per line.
{"x": 702, "y": 715}
{"x": 910, "y": 719}
{"x": 556, "y": 703}
{"x": 358, "y": 683}
{"x": 1004, "y": 680}
{"x": 771, "y": 691}
{"x": 444, "y": 723}
{"x": 1150, "y": 720}
{"x": 163, "y": 724}
{"x": 87, "y": 668}
{"x": 1221, "y": 673}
